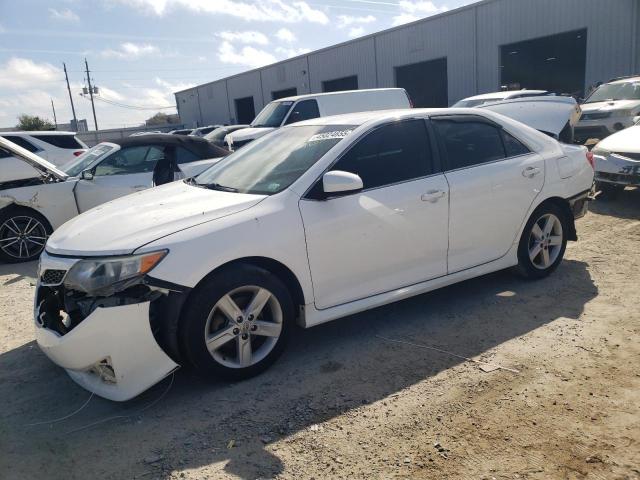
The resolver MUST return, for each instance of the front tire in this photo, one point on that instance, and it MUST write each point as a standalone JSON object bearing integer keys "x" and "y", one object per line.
{"x": 236, "y": 323}
{"x": 23, "y": 234}
{"x": 543, "y": 242}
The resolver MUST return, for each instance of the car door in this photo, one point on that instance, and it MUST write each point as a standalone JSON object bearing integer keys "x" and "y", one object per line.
{"x": 123, "y": 172}
{"x": 391, "y": 234}
{"x": 493, "y": 180}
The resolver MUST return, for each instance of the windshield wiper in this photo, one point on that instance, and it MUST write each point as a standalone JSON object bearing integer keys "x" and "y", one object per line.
{"x": 217, "y": 186}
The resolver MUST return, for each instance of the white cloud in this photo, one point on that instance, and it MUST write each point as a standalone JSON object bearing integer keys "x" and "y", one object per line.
{"x": 411, "y": 11}
{"x": 291, "y": 52}
{"x": 356, "y": 32}
{"x": 266, "y": 11}
{"x": 286, "y": 35}
{"x": 247, "y": 56}
{"x": 348, "y": 20}
{"x": 248, "y": 37}
{"x": 23, "y": 73}
{"x": 129, "y": 51}
{"x": 65, "y": 15}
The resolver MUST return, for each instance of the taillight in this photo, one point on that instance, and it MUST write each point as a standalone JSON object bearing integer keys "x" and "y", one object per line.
{"x": 591, "y": 160}
{"x": 78, "y": 153}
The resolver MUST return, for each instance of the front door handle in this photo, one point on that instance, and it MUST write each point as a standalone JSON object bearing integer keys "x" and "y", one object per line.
{"x": 432, "y": 196}
{"x": 531, "y": 172}
{"x": 139, "y": 187}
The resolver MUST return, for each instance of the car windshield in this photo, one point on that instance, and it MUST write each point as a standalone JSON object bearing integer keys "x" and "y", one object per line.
{"x": 272, "y": 115}
{"x": 270, "y": 164}
{"x": 615, "y": 91}
{"x": 85, "y": 161}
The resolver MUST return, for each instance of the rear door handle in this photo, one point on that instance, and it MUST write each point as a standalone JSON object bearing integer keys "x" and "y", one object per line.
{"x": 432, "y": 196}
{"x": 531, "y": 172}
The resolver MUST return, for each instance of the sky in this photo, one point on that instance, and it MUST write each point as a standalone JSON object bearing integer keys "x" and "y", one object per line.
{"x": 142, "y": 51}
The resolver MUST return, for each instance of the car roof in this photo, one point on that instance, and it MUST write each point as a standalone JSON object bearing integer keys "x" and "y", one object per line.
{"x": 626, "y": 80}
{"x": 35, "y": 133}
{"x": 504, "y": 94}
{"x": 360, "y": 118}
{"x": 326, "y": 94}
{"x": 195, "y": 144}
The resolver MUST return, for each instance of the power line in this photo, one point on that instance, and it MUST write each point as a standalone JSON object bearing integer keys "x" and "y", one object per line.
{"x": 124, "y": 105}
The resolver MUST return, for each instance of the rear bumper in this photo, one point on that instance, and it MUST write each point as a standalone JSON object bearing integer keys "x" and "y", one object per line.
{"x": 579, "y": 204}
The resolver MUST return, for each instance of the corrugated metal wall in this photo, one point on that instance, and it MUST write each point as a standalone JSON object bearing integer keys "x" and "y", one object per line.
{"x": 470, "y": 39}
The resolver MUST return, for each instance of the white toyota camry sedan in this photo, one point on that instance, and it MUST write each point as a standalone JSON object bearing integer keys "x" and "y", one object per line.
{"x": 315, "y": 221}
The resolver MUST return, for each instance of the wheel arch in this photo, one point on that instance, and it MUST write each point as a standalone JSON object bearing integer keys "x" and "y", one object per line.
{"x": 18, "y": 206}
{"x": 564, "y": 205}
{"x": 280, "y": 270}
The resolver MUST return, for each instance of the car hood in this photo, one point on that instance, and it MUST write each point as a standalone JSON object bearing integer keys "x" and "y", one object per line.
{"x": 250, "y": 133}
{"x": 121, "y": 226}
{"x": 548, "y": 114}
{"x": 32, "y": 159}
{"x": 609, "y": 105}
{"x": 624, "y": 141}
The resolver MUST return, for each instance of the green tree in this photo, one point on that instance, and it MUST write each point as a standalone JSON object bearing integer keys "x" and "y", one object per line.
{"x": 33, "y": 122}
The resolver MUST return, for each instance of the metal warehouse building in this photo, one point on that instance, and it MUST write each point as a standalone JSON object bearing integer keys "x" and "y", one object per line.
{"x": 558, "y": 45}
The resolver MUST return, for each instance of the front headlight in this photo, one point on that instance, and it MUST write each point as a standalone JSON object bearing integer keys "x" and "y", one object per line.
{"x": 105, "y": 276}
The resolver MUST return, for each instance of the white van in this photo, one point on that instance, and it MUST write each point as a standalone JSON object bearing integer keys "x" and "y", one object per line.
{"x": 304, "y": 107}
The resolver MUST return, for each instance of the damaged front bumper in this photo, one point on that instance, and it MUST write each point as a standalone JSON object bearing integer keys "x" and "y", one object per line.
{"x": 618, "y": 169}
{"x": 110, "y": 348}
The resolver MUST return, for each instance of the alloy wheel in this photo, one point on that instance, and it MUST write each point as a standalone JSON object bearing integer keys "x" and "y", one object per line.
{"x": 545, "y": 241}
{"x": 22, "y": 237}
{"x": 243, "y": 326}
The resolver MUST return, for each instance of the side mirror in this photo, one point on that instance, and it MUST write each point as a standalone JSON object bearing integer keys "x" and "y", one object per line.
{"x": 86, "y": 175}
{"x": 339, "y": 181}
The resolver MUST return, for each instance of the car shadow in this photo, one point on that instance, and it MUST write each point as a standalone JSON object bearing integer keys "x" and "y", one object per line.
{"x": 22, "y": 271}
{"x": 187, "y": 423}
{"x": 624, "y": 205}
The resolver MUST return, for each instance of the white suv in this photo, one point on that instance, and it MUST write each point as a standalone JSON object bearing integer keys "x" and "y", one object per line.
{"x": 610, "y": 108}
{"x": 56, "y": 147}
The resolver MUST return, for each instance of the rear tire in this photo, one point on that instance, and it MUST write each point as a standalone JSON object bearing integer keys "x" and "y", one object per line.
{"x": 543, "y": 242}
{"x": 23, "y": 234}
{"x": 236, "y": 323}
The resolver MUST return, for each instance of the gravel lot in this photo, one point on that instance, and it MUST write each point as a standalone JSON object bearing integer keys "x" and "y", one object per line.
{"x": 345, "y": 403}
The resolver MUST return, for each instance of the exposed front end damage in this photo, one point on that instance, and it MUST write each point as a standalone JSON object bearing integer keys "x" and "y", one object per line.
{"x": 116, "y": 346}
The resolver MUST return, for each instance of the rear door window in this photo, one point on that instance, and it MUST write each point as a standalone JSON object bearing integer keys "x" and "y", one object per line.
{"x": 60, "y": 141}
{"x": 22, "y": 142}
{"x": 185, "y": 156}
{"x": 304, "y": 110}
{"x": 467, "y": 141}
{"x": 513, "y": 146}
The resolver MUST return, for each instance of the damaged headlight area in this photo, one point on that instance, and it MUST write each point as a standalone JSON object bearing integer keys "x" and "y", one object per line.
{"x": 102, "y": 277}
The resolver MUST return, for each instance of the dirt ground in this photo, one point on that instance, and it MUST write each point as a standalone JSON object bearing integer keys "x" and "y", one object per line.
{"x": 346, "y": 402}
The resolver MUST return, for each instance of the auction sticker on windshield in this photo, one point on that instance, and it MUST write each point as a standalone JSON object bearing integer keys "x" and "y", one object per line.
{"x": 329, "y": 135}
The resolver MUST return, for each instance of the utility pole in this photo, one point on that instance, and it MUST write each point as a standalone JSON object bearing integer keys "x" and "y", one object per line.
{"x": 55, "y": 120}
{"x": 93, "y": 107}
{"x": 73, "y": 109}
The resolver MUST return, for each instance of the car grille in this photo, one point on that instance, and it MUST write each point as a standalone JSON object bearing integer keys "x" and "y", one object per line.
{"x": 632, "y": 156}
{"x": 52, "y": 277}
{"x": 582, "y": 134}
{"x": 595, "y": 115}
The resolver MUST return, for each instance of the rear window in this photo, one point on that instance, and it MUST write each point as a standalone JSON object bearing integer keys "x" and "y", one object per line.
{"x": 60, "y": 141}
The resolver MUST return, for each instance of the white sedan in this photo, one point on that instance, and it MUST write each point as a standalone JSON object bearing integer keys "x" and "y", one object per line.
{"x": 32, "y": 207}
{"x": 312, "y": 222}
